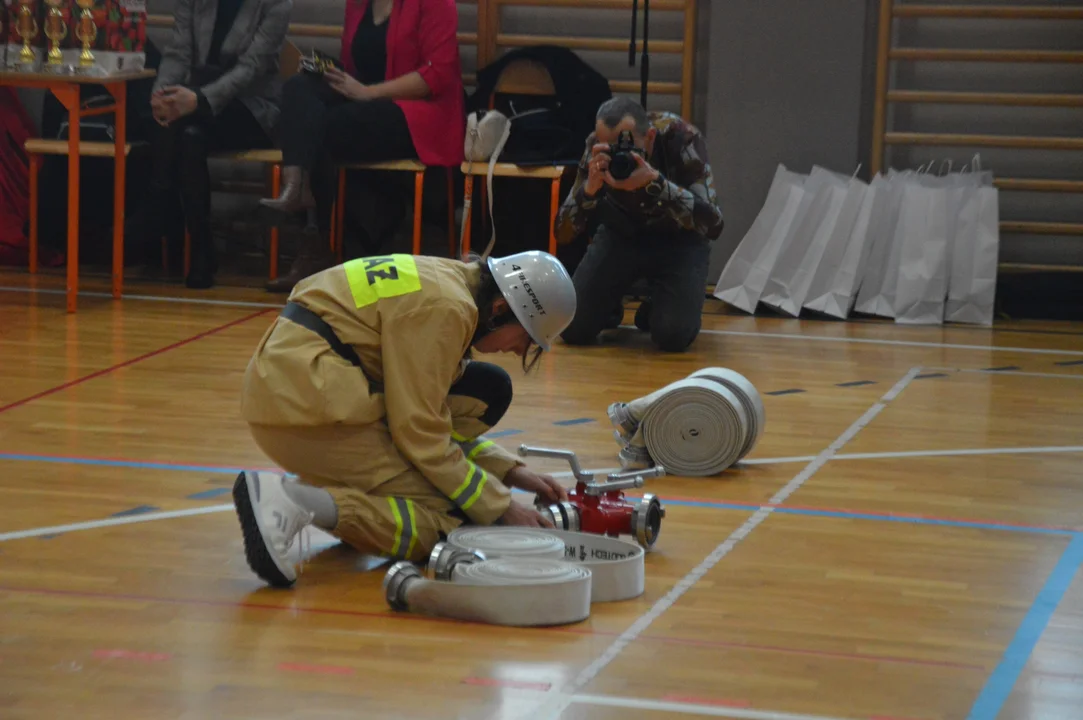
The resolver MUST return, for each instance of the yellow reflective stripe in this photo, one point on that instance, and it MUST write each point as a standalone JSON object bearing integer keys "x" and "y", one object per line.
{"x": 403, "y": 511}
{"x": 398, "y": 526}
{"x": 373, "y": 278}
{"x": 459, "y": 438}
{"x": 478, "y": 448}
{"x": 477, "y": 493}
{"x": 413, "y": 524}
{"x": 466, "y": 483}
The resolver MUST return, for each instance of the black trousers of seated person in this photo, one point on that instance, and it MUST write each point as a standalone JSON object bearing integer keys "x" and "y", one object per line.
{"x": 179, "y": 156}
{"x": 675, "y": 266}
{"x": 321, "y": 129}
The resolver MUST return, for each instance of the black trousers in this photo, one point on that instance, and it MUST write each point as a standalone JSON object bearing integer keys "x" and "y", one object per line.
{"x": 320, "y": 129}
{"x": 488, "y": 383}
{"x": 676, "y": 269}
{"x": 179, "y": 156}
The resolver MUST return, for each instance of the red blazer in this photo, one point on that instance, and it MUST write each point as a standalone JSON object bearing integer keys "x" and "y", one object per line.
{"x": 421, "y": 37}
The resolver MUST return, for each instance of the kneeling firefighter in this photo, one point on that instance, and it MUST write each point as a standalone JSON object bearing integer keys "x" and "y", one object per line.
{"x": 365, "y": 390}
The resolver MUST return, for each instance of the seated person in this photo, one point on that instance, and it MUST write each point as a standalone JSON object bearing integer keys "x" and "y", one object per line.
{"x": 364, "y": 388}
{"x": 399, "y": 96}
{"x": 217, "y": 89}
{"x": 655, "y": 225}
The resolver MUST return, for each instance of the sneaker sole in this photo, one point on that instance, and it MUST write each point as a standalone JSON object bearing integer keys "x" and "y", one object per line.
{"x": 260, "y": 559}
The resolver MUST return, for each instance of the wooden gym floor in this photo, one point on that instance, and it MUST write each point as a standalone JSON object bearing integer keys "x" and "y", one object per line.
{"x": 903, "y": 543}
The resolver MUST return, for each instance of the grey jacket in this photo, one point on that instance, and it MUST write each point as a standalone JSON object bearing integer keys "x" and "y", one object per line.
{"x": 253, "y": 43}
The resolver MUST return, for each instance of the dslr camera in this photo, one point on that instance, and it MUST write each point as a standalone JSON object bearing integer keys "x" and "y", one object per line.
{"x": 621, "y": 161}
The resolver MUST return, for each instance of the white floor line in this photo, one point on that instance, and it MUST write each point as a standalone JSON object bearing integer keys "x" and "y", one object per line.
{"x": 692, "y": 709}
{"x": 552, "y": 708}
{"x": 109, "y": 522}
{"x": 976, "y": 371}
{"x": 153, "y": 298}
{"x": 165, "y": 515}
{"x": 897, "y": 343}
{"x": 1044, "y": 449}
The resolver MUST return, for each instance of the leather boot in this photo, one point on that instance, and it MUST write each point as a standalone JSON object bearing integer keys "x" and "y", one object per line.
{"x": 315, "y": 255}
{"x": 296, "y": 192}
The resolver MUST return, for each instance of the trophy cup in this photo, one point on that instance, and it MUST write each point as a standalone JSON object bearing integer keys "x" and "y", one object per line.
{"x": 55, "y": 29}
{"x": 27, "y": 28}
{"x": 87, "y": 32}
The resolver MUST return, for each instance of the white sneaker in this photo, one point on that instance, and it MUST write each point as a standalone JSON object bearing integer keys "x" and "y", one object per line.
{"x": 270, "y": 521}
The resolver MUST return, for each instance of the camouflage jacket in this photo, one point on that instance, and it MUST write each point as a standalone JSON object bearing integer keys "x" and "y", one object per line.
{"x": 683, "y": 199}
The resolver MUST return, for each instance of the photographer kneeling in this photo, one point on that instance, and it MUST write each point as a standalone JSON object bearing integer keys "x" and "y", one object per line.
{"x": 646, "y": 180}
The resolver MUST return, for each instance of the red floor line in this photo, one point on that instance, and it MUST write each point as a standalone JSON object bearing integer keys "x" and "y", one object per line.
{"x": 126, "y": 363}
{"x": 389, "y": 616}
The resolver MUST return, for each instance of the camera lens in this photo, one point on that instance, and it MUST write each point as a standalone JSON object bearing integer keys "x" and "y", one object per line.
{"x": 621, "y": 165}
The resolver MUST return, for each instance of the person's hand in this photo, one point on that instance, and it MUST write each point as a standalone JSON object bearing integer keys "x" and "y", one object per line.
{"x": 544, "y": 486}
{"x": 598, "y": 168}
{"x": 177, "y": 102}
{"x": 521, "y": 516}
{"x": 640, "y": 177}
{"x": 158, "y": 107}
{"x": 347, "y": 85}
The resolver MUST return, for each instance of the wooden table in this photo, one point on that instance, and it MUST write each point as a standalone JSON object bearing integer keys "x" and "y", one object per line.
{"x": 66, "y": 89}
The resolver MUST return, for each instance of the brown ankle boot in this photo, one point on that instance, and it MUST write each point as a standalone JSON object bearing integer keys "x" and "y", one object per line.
{"x": 314, "y": 256}
{"x": 296, "y": 192}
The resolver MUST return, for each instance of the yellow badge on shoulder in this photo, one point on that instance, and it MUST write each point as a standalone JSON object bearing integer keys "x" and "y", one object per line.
{"x": 374, "y": 278}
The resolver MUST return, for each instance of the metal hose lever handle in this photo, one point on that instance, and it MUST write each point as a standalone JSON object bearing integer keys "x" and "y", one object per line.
{"x": 601, "y": 488}
{"x": 573, "y": 461}
{"x": 656, "y": 471}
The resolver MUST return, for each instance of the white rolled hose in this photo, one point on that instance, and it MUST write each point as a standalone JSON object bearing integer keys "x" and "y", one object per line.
{"x": 695, "y": 427}
{"x": 518, "y": 576}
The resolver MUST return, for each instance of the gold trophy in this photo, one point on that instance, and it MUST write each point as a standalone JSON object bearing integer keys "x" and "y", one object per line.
{"x": 27, "y": 28}
{"x": 87, "y": 32}
{"x": 55, "y": 30}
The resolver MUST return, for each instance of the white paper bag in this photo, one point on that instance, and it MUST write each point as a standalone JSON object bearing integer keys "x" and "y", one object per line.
{"x": 745, "y": 275}
{"x": 829, "y": 218}
{"x": 972, "y": 282}
{"x": 876, "y": 294}
{"x": 921, "y": 285}
{"x": 834, "y": 286}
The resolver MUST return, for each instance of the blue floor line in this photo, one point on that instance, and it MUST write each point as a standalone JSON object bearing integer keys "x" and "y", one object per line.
{"x": 683, "y": 503}
{"x": 1000, "y": 684}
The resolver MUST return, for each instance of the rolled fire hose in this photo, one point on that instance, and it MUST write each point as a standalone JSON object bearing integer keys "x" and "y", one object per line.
{"x": 518, "y": 576}
{"x": 697, "y": 426}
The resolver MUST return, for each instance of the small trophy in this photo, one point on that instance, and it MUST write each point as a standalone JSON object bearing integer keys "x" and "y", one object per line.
{"x": 27, "y": 28}
{"x": 87, "y": 32}
{"x": 55, "y": 29}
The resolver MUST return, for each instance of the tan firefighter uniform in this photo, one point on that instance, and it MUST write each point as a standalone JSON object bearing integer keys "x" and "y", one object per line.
{"x": 399, "y": 459}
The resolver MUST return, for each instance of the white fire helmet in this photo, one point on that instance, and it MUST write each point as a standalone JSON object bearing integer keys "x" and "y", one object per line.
{"x": 538, "y": 290}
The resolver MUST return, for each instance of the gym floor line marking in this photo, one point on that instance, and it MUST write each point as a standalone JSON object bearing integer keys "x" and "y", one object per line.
{"x": 133, "y": 361}
{"x": 1016, "y": 373}
{"x": 427, "y": 619}
{"x": 555, "y": 708}
{"x": 234, "y": 469}
{"x": 738, "y": 713}
{"x": 1002, "y": 681}
{"x": 127, "y": 517}
{"x": 896, "y": 343}
{"x": 152, "y": 298}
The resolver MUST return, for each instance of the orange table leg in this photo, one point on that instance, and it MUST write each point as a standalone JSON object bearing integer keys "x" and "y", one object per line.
{"x": 33, "y": 214}
{"x": 68, "y": 95}
{"x": 468, "y": 193}
{"x": 120, "y": 165}
{"x": 450, "y": 213}
{"x": 276, "y": 182}
{"x": 419, "y": 188}
{"x": 554, "y": 206}
{"x": 339, "y": 234}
